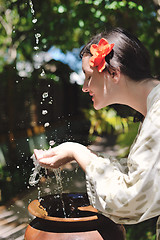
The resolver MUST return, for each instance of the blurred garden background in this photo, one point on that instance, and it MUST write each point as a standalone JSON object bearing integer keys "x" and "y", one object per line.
{"x": 41, "y": 79}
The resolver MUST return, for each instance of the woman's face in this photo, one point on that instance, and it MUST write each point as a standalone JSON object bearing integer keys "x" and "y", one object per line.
{"x": 98, "y": 85}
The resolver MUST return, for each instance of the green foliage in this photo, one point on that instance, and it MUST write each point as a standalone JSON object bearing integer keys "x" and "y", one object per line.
{"x": 4, "y": 174}
{"x": 11, "y": 183}
{"x": 67, "y": 25}
{"x": 70, "y": 24}
{"x": 125, "y": 139}
{"x": 142, "y": 231}
{"x": 106, "y": 120}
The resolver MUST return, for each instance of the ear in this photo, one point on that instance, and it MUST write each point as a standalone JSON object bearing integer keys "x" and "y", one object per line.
{"x": 115, "y": 74}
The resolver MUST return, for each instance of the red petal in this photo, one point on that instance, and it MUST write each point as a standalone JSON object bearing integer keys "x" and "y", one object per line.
{"x": 93, "y": 49}
{"x": 97, "y": 60}
{"x": 103, "y": 42}
{"x": 102, "y": 65}
{"x": 110, "y": 48}
{"x": 107, "y": 49}
{"x": 91, "y": 61}
{"x": 99, "y": 52}
{"x": 112, "y": 45}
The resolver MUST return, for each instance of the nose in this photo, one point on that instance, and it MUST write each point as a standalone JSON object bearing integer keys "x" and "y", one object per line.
{"x": 85, "y": 87}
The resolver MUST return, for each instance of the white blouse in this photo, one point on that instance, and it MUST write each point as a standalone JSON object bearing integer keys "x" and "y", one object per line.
{"x": 128, "y": 190}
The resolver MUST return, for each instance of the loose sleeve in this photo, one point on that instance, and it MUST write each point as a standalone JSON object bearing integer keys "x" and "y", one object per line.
{"x": 127, "y": 191}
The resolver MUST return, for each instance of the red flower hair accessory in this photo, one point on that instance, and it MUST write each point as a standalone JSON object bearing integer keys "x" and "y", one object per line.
{"x": 99, "y": 53}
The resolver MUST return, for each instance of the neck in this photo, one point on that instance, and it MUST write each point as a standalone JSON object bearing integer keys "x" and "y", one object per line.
{"x": 137, "y": 93}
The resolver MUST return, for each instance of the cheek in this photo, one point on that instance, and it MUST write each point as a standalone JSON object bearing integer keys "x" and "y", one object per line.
{"x": 97, "y": 80}
{"x": 108, "y": 83}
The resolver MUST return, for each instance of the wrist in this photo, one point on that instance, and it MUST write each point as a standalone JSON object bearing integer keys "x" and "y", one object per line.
{"x": 83, "y": 155}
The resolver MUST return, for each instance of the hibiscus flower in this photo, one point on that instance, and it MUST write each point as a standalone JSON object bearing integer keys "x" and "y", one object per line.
{"x": 99, "y": 53}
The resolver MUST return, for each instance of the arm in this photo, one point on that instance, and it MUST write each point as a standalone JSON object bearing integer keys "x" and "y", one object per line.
{"x": 133, "y": 196}
{"x": 65, "y": 152}
{"x": 125, "y": 197}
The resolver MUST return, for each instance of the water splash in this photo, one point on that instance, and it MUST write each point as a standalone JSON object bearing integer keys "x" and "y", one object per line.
{"x": 35, "y": 176}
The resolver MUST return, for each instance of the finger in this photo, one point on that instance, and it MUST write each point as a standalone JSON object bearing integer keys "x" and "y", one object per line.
{"x": 50, "y": 161}
{"x": 39, "y": 154}
{"x": 48, "y": 166}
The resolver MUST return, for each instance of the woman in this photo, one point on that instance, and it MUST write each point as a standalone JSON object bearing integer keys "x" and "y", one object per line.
{"x": 117, "y": 70}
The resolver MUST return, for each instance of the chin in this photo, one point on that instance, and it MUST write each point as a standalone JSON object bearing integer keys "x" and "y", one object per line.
{"x": 96, "y": 107}
{"x": 99, "y": 106}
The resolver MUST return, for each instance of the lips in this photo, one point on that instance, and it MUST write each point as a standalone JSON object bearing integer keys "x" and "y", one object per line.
{"x": 92, "y": 95}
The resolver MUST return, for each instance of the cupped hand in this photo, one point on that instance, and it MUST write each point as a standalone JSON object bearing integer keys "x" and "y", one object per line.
{"x": 65, "y": 152}
{"x": 55, "y": 157}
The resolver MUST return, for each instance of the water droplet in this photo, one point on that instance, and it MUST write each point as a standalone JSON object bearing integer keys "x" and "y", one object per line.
{"x": 44, "y": 112}
{"x": 42, "y": 73}
{"x": 34, "y": 20}
{"x": 37, "y": 36}
{"x": 46, "y": 124}
{"x": 36, "y": 172}
{"x": 52, "y": 143}
{"x": 36, "y": 48}
{"x": 45, "y": 95}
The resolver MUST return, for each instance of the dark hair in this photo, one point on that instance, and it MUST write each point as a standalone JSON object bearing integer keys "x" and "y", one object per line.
{"x": 128, "y": 53}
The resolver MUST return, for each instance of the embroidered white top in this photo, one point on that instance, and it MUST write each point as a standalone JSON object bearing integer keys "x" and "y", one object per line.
{"x": 127, "y": 190}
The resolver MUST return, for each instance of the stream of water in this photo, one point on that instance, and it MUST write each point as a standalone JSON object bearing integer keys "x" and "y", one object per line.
{"x": 57, "y": 173}
{"x": 36, "y": 171}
